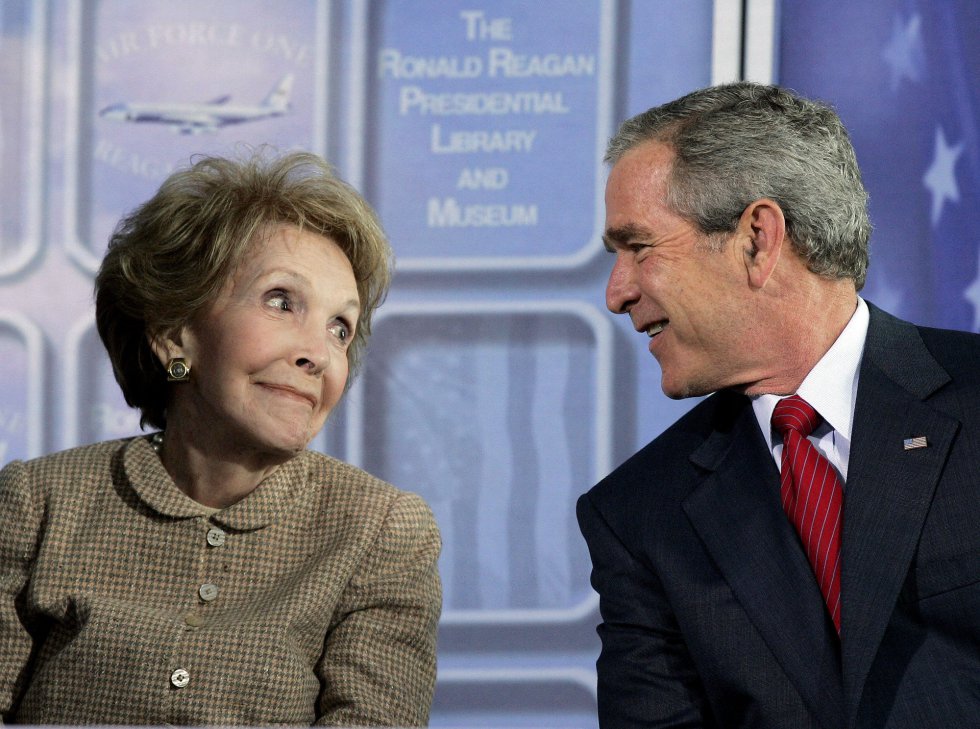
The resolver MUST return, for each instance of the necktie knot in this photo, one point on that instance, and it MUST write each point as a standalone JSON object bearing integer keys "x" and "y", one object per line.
{"x": 796, "y": 414}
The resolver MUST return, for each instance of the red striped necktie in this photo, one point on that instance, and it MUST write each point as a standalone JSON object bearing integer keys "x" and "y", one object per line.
{"x": 813, "y": 496}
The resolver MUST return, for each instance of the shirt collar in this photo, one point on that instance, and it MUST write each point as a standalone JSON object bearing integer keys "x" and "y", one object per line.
{"x": 831, "y": 386}
{"x": 266, "y": 504}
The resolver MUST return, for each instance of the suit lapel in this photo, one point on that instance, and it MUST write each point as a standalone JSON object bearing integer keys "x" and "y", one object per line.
{"x": 737, "y": 514}
{"x": 889, "y": 489}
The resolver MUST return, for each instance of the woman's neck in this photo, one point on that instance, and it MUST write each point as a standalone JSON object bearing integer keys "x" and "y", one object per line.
{"x": 213, "y": 473}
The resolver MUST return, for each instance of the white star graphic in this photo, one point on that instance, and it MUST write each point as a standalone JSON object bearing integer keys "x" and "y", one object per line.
{"x": 940, "y": 178}
{"x": 904, "y": 53}
{"x": 883, "y": 294}
{"x": 972, "y": 294}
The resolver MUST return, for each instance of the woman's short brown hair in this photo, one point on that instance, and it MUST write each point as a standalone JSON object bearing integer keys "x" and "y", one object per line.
{"x": 168, "y": 259}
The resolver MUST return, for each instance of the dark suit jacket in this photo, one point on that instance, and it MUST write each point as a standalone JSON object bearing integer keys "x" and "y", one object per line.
{"x": 711, "y": 615}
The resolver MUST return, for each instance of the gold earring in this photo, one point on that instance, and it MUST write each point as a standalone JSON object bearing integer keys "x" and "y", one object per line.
{"x": 178, "y": 370}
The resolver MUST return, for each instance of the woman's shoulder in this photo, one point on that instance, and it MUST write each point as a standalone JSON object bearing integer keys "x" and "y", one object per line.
{"x": 325, "y": 470}
{"x": 64, "y": 476}
{"x": 95, "y": 457}
{"x": 339, "y": 481}
{"x": 389, "y": 520}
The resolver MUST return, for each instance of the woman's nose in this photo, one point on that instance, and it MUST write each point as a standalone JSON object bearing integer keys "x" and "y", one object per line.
{"x": 313, "y": 349}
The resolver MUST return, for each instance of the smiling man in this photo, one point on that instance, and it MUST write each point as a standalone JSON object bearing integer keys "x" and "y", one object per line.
{"x": 801, "y": 549}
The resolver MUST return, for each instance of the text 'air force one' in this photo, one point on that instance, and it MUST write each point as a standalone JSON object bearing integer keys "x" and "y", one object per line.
{"x": 206, "y": 117}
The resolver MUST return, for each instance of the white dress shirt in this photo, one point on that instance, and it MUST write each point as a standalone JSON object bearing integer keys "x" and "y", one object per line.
{"x": 831, "y": 388}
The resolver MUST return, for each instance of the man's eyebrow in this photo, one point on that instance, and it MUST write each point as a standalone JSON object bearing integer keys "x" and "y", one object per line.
{"x": 622, "y": 235}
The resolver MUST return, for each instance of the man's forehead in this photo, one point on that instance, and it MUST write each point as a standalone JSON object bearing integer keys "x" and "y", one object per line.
{"x": 640, "y": 176}
{"x": 651, "y": 154}
{"x": 641, "y": 169}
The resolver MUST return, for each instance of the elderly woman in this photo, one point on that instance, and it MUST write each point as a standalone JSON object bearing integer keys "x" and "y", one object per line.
{"x": 217, "y": 572}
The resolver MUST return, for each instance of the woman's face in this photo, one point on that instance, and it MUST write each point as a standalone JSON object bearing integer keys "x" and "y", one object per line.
{"x": 269, "y": 358}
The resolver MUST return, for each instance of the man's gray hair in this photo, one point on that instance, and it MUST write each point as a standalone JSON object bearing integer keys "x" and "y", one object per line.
{"x": 740, "y": 142}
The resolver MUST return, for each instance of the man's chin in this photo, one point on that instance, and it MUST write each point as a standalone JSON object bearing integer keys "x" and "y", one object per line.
{"x": 682, "y": 390}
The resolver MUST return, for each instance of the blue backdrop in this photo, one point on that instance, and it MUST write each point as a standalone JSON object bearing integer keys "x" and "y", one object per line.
{"x": 496, "y": 385}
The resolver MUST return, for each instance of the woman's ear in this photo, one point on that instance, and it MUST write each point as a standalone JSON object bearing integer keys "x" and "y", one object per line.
{"x": 166, "y": 346}
{"x": 764, "y": 230}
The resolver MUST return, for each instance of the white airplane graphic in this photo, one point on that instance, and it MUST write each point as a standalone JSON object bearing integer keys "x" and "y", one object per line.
{"x": 207, "y": 117}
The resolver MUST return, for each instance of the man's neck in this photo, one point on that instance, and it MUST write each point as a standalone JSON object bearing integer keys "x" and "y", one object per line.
{"x": 809, "y": 324}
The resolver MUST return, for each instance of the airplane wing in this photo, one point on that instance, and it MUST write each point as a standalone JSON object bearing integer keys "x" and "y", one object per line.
{"x": 196, "y": 128}
{"x": 199, "y": 118}
{"x": 185, "y": 123}
{"x": 183, "y": 120}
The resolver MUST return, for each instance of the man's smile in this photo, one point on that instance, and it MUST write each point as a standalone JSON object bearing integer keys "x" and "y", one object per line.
{"x": 655, "y": 328}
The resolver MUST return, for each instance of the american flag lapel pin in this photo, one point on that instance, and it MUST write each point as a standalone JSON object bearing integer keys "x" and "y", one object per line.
{"x": 919, "y": 441}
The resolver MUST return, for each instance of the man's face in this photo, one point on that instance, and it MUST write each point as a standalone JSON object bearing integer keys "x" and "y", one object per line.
{"x": 687, "y": 298}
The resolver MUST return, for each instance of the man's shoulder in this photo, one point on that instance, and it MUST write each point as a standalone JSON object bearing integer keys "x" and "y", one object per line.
{"x": 957, "y": 354}
{"x": 665, "y": 461}
{"x": 911, "y": 348}
{"x": 949, "y": 346}
{"x": 687, "y": 432}
{"x": 883, "y": 322}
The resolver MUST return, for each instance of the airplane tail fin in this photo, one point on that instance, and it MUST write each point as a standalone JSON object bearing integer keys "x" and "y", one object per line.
{"x": 278, "y": 98}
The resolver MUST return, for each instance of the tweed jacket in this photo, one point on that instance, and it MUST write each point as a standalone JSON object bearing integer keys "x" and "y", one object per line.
{"x": 314, "y": 600}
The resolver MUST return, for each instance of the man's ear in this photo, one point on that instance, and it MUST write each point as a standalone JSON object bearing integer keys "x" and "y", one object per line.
{"x": 763, "y": 230}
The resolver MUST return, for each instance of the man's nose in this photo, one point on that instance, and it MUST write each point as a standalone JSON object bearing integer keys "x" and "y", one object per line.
{"x": 621, "y": 289}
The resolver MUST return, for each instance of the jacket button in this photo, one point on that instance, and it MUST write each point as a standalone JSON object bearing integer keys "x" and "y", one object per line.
{"x": 208, "y": 592}
{"x": 180, "y": 678}
{"x": 216, "y": 537}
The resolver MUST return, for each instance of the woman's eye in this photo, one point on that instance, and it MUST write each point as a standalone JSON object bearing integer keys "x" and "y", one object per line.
{"x": 279, "y": 301}
{"x": 341, "y": 331}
